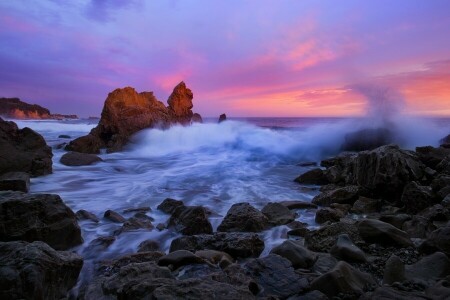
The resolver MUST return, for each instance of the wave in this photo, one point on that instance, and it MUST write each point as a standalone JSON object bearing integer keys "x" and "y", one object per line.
{"x": 55, "y": 126}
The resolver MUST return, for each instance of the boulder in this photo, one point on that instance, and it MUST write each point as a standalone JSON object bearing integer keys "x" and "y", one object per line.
{"x": 344, "y": 249}
{"x": 431, "y": 156}
{"x": 367, "y": 139}
{"x": 278, "y": 214}
{"x": 38, "y": 217}
{"x": 36, "y": 271}
{"x": 314, "y": 176}
{"x": 440, "y": 291}
{"x": 23, "y": 150}
{"x": 139, "y": 221}
{"x": 344, "y": 195}
{"x": 439, "y": 240}
{"x": 222, "y": 117}
{"x": 215, "y": 257}
{"x": 236, "y": 244}
{"x": 394, "y": 270}
{"x": 343, "y": 278}
{"x": 15, "y": 181}
{"x": 113, "y": 216}
{"x": 190, "y": 220}
{"x": 179, "y": 258}
{"x": 148, "y": 245}
{"x": 375, "y": 231}
{"x": 416, "y": 197}
{"x": 180, "y": 104}
{"x": 445, "y": 140}
{"x": 79, "y": 159}
{"x": 97, "y": 246}
{"x": 169, "y": 205}
{"x": 430, "y": 268}
{"x": 324, "y": 263}
{"x": 323, "y": 239}
{"x": 85, "y": 215}
{"x": 242, "y": 217}
{"x": 299, "y": 256}
{"x": 366, "y": 205}
{"x": 328, "y": 214}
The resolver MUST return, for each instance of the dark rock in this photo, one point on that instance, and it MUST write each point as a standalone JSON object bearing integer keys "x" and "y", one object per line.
{"x": 36, "y": 271}
{"x": 431, "y": 156}
{"x": 179, "y": 258}
{"x": 366, "y": 205}
{"x": 394, "y": 270}
{"x": 299, "y": 232}
{"x": 236, "y": 244}
{"x": 196, "y": 118}
{"x": 344, "y": 208}
{"x": 38, "y": 217}
{"x": 85, "y": 144}
{"x": 430, "y": 268}
{"x": 328, "y": 214}
{"x": 367, "y": 139}
{"x": 278, "y": 214}
{"x": 445, "y": 140}
{"x": 344, "y": 249}
{"x": 386, "y": 292}
{"x": 169, "y": 205}
{"x": 98, "y": 245}
{"x": 343, "y": 278}
{"x": 314, "y": 176}
{"x": 85, "y": 215}
{"x": 294, "y": 204}
{"x": 438, "y": 240}
{"x": 136, "y": 223}
{"x": 276, "y": 276}
{"x": 418, "y": 227}
{"x": 148, "y": 245}
{"x": 223, "y": 117}
{"x": 313, "y": 295}
{"x": 215, "y": 257}
{"x": 15, "y": 181}
{"x": 242, "y": 217}
{"x": 143, "y": 209}
{"x": 375, "y": 231}
{"x": 396, "y": 220}
{"x": 114, "y": 216}
{"x": 190, "y": 220}
{"x": 324, "y": 263}
{"x": 344, "y": 195}
{"x": 64, "y": 136}
{"x": 23, "y": 150}
{"x": 299, "y": 256}
{"x": 416, "y": 197}
{"x": 440, "y": 291}
{"x": 160, "y": 226}
{"x": 79, "y": 159}
{"x": 323, "y": 239}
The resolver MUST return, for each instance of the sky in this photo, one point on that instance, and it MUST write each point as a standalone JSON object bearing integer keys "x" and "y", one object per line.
{"x": 241, "y": 57}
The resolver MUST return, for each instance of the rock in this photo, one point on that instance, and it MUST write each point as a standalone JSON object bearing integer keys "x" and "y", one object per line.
{"x": 323, "y": 239}
{"x": 236, "y": 244}
{"x": 299, "y": 232}
{"x": 394, "y": 270}
{"x": 160, "y": 226}
{"x": 223, "y": 117}
{"x": 64, "y": 136}
{"x": 79, "y": 159}
{"x": 126, "y": 112}
{"x": 439, "y": 240}
{"x": 431, "y": 156}
{"x": 179, "y": 258}
{"x": 375, "y": 231}
{"x": 386, "y": 292}
{"x": 328, "y": 214}
{"x": 324, "y": 263}
{"x": 148, "y": 245}
{"x": 314, "y": 176}
{"x": 276, "y": 276}
{"x": 169, "y": 205}
{"x": 16, "y": 109}
{"x": 366, "y": 205}
{"x": 445, "y": 140}
{"x": 142, "y": 209}
{"x": 344, "y": 195}
{"x": 307, "y": 164}
{"x": 418, "y": 227}
{"x": 343, "y": 278}
{"x": 344, "y": 249}
{"x": 293, "y": 204}
{"x": 396, "y": 220}
{"x": 36, "y": 271}
{"x": 430, "y": 268}
{"x": 196, "y": 118}
{"x": 15, "y": 181}
{"x": 299, "y": 256}
{"x": 23, "y": 150}
{"x": 114, "y": 216}
{"x": 416, "y": 197}
{"x": 85, "y": 215}
{"x": 440, "y": 291}
{"x": 190, "y": 220}
{"x": 38, "y": 217}
{"x": 344, "y": 208}
{"x": 242, "y": 217}
{"x": 98, "y": 245}
{"x": 136, "y": 223}
{"x": 278, "y": 214}
{"x": 215, "y": 257}
{"x": 367, "y": 139}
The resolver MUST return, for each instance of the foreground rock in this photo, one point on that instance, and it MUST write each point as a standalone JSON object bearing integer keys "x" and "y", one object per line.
{"x": 190, "y": 220}
{"x": 242, "y": 217}
{"x": 23, "y": 150}
{"x": 126, "y": 112}
{"x": 278, "y": 214}
{"x": 79, "y": 159}
{"x": 36, "y": 271}
{"x": 38, "y": 217}
{"x": 374, "y": 231}
{"x": 15, "y": 181}
{"x": 299, "y": 256}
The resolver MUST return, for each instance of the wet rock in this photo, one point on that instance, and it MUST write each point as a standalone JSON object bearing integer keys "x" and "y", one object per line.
{"x": 366, "y": 205}
{"x": 196, "y": 118}
{"x": 190, "y": 220}
{"x": 143, "y": 209}
{"x": 394, "y": 270}
{"x": 242, "y": 217}
{"x": 169, "y": 205}
{"x": 215, "y": 257}
{"x": 160, "y": 226}
{"x": 430, "y": 268}
{"x": 148, "y": 245}
{"x": 114, "y": 216}
{"x": 74, "y": 159}
{"x": 278, "y": 214}
{"x": 324, "y": 263}
{"x": 367, "y": 139}
{"x": 299, "y": 256}
{"x": 180, "y": 258}
{"x": 38, "y": 217}
{"x": 33, "y": 271}
{"x": 15, "y": 181}
{"x": 431, "y": 156}
{"x": 294, "y": 204}
{"x": 314, "y": 176}
{"x": 23, "y": 150}
{"x": 374, "y": 231}
{"x": 276, "y": 276}
{"x": 344, "y": 249}
{"x": 64, "y": 136}
{"x": 136, "y": 223}
{"x": 98, "y": 245}
{"x": 343, "y": 278}
{"x": 236, "y": 244}
{"x": 222, "y": 117}
{"x": 344, "y": 195}
{"x": 299, "y": 232}
{"x": 416, "y": 197}
{"x": 323, "y": 239}
{"x": 85, "y": 215}
{"x": 328, "y": 214}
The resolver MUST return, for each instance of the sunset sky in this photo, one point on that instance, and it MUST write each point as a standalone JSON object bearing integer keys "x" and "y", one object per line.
{"x": 245, "y": 58}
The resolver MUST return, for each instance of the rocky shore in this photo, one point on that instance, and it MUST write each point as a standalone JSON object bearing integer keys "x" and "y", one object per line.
{"x": 16, "y": 109}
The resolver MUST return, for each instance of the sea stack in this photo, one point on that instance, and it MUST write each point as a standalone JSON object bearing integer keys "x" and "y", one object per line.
{"x": 223, "y": 117}
{"x": 126, "y": 112}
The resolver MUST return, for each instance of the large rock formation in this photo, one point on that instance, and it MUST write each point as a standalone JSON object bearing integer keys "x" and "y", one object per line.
{"x": 14, "y": 108}
{"x": 125, "y": 112}
{"x": 23, "y": 150}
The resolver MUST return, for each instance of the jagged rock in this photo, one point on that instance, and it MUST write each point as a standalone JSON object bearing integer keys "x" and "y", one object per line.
{"x": 416, "y": 197}
{"x": 148, "y": 245}
{"x": 236, "y": 244}
{"x": 169, "y": 205}
{"x": 242, "y": 217}
{"x": 328, "y": 214}
{"x": 23, "y": 150}
{"x": 190, "y": 220}
{"x": 314, "y": 176}
{"x": 394, "y": 270}
{"x": 431, "y": 156}
{"x": 367, "y": 139}
{"x": 36, "y": 271}
{"x": 85, "y": 215}
{"x": 366, "y": 205}
{"x": 223, "y": 117}
{"x": 344, "y": 195}
{"x": 180, "y": 104}
{"x": 38, "y": 217}
{"x": 345, "y": 249}
{"x": 15, "y": 181}
{"x": 114, "y": 216}
{"x": 79, "y": 159}
{"x": 278, "y": 214}
{"x": 139, "y": 221}
{"x": 299, "y": 256}
{"x": 375, "y": 231}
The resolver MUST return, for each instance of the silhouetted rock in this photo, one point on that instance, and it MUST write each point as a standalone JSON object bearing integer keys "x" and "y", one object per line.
{"x": 445, "y": 140}
{"x": 79, "y": 159}
{"x": 223, "y": 117}
{"x": 431, "y": 156}
{"x": 23, "y": 150}
{"x": 367, "y": 139}
{"x": 196, "y": 118}
{"x": 15, "y": 181}
{"x": 242, "y": 217}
